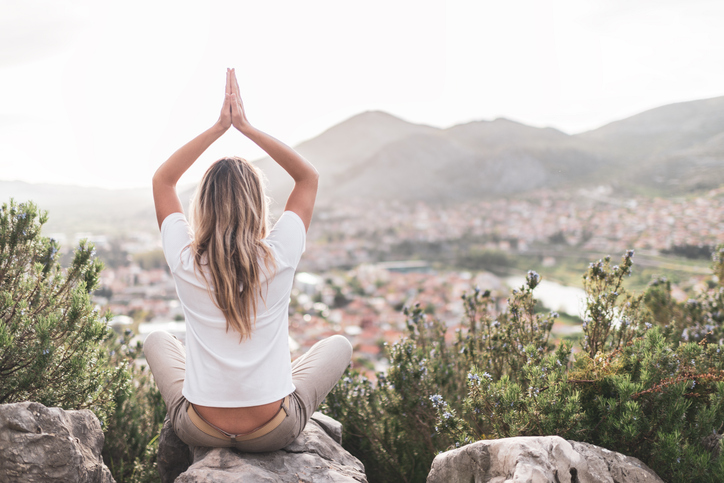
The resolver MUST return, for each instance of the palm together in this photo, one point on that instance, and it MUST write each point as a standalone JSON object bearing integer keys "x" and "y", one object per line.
{"x": 232, "y": 112}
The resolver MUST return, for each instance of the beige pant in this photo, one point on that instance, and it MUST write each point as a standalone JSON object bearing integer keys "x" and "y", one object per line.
{"x": 314, "y": 374}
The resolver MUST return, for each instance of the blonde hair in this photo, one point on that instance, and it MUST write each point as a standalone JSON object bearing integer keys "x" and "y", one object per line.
{"x": 229, "y": 218}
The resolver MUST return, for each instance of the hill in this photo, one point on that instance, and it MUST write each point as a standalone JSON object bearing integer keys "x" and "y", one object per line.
{"x": 671, "y": 150}
{"x": 78, "y": 209}
{"x": 377, "y": 155}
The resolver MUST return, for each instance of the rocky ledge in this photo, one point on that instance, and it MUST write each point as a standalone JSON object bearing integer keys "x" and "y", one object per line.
{"x": 537, "y": 459}
{"x": 315, "y": 456}
{"x": 39, "y": 444}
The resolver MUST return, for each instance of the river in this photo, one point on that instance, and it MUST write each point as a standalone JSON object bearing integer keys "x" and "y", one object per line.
{"x": 554, "y": 296}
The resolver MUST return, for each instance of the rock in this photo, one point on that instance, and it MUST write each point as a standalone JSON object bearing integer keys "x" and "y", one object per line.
{"x": 315, "y": 456}
{"x": 537, "y": 459}
{"x": 174, "y": 456}
{"x": 40, "y": 444}
{"x": 330, "y": 426}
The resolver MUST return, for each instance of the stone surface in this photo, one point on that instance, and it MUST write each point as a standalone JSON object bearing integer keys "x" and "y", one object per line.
{"x": 330, "y": 426}
{"x": 40, "y": 444}
{"x": 174, "y": 456}
{"x": 315, "y": 456}
{"x": 538, "y": 459}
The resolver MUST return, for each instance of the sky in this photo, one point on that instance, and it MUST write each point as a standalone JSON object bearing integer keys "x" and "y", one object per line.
{"x": 101, "y": 93}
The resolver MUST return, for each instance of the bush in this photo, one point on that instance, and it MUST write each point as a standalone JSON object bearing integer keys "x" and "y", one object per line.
{"x": 133, "y": 430}
{"x": 637, "y": 386}
{"x": 391, "y": 425}
{"x": 647, "y": 400}
{"x": 56, "y": 349}
{"x": 52, "y": 340}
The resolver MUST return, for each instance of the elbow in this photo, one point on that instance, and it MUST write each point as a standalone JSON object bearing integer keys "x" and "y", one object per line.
{"x": 313, "y": 180}
{"x": 159, "y": 179}
{"x": 156, "y": 179}
{"x": 309, "y": 178}
{"x": 314, "y": 175}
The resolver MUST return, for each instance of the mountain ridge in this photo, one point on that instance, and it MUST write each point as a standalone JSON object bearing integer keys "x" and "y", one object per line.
{"x": 669, "y": 150}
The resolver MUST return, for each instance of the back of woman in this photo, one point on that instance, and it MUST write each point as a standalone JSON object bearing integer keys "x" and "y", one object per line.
{"x": 236, "y": 372}
{"x": 233, "y": 384}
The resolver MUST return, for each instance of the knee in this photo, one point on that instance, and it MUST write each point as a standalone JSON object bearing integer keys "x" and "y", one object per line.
{"x": 154, "y": 340}
{"x": 342, "y": 346}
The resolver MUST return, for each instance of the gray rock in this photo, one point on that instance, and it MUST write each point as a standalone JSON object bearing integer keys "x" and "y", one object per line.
{"x": 174, "y": 456}
{"x": 537, "y": 459}
{"x": 40, "y": 444}
{"x": 315, "y": 456}
{"x": 330, "y": 426}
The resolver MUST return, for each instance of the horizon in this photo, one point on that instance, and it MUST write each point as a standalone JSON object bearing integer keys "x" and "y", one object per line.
{"x": 84, "y": 104}
{"x": 188, "y": 184}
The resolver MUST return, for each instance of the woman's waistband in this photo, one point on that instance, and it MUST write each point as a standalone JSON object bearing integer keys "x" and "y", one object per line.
{"x": 217, "y": 432}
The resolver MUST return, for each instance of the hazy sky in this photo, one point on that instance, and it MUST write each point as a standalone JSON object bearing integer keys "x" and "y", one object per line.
{"x": 100, "y": 93}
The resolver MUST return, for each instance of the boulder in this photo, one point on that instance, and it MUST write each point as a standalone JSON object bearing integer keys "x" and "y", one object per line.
{"x": 537, "y": 459}
{"x": 315, "y": 456}
{"x": 40, "y": 444}
{"x": 174, "y": 456}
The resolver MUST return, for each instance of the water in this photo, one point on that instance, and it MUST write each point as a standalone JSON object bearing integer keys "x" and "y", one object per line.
{"x": 554, "y": 296}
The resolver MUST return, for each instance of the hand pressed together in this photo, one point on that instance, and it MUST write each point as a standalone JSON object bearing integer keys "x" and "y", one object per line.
{"x": 301, "y": 199}
{"x": 232, "y": 111}
{"x": 224, "y": 121}
{"x": 238, "y": 116}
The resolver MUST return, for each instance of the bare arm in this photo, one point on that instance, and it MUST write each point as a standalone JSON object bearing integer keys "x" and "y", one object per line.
{"x": 167, "y": 175}
{"x": 305, "y": 176}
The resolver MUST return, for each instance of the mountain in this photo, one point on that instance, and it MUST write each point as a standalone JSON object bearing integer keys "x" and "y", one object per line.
{"x": 671, "y": 150}
{"x": 342, "y": 150}
{"x": 377, "y": 155}
{"x": 659, "y": 131}
{"x": 79, "y": 209}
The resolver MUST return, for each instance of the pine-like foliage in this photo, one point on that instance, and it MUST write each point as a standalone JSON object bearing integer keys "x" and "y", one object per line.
{"x": 642, "y": 383}
{"x": 52, "y": 340}
{"x": 132, "y": 431}
{"x": 392, "y": 425}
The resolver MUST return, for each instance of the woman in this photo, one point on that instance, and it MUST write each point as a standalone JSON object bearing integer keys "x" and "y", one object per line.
{"x": 234, "y": 384}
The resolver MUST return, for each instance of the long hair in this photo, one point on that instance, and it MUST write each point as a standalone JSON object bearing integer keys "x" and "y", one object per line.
{"x": 229, "y": 218}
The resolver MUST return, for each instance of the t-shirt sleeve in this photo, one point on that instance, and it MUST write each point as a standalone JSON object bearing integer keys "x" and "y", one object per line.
{"x": 176, "y": 235}
{"x": 288, "y": 237}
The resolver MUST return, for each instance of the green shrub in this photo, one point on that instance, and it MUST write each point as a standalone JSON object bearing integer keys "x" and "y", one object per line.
{"x": 52, "y": 340}
{"x": 613, "y": 317}
{"x": 391, "y": 425}
{"x": 636, "y": 386}
{"x": 699, "y": 318}
{"x": 56, "y": 349}
{"x": 647, "y": 400}
{"x": 133, "y": 430}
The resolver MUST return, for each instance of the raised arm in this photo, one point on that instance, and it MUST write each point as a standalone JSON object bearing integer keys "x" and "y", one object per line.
{"x": 167, "y": 175}
{"x": 305, "y": 176}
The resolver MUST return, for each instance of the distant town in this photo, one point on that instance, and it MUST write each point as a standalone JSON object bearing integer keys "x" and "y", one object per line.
{"x": 589, "y": 220}
{"x": 361, "y": 265}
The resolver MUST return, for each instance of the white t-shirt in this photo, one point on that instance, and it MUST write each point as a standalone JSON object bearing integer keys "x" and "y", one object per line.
{"x": 220, "y": 370}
